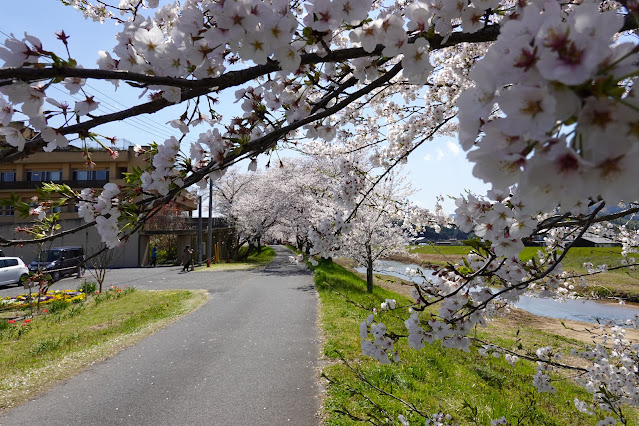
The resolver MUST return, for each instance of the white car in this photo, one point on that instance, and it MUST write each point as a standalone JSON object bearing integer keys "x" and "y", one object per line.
{"x": 12, "y": 269}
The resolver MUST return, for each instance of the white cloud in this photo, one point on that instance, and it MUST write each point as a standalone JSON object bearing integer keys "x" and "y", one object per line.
{"x": 453, "y": 147}
{"x": 428, "y": 157}
{"x": 440, "y": 154}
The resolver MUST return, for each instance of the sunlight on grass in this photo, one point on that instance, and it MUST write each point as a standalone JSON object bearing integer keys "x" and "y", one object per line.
{"x": 254, "y": 260}
{"x": 472, "y": 388}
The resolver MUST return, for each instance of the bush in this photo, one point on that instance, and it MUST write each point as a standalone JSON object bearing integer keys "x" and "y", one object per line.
{"x": 88, "y": 287}
{"x": 167, "y": 256}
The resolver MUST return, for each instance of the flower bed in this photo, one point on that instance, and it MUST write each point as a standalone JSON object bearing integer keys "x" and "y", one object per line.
{"x": 22, "y": 301}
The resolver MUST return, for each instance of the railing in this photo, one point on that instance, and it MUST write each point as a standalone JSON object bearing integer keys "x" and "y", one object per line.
{"x": 168, "y": 222}
{"x": 218, "y": 222}
{"x": 36, "y": 184}
{"x": 181, "y": 223}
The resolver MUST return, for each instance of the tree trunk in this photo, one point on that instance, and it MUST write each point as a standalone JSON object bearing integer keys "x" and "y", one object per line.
{"x": 369, "y": 270}
{"x": 234, "y": 247}
{"x": 259, "y": 245}
{"x": 248, "y": 251}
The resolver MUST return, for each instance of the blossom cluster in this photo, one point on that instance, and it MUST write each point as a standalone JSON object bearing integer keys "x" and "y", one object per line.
{"x": 561, "y": 83}
{"x": 102, "y": 207}
{"x": 381, "y": 346}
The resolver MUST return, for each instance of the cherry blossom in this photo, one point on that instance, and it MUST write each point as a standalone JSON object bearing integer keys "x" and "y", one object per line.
{"x": 540, "y": 95}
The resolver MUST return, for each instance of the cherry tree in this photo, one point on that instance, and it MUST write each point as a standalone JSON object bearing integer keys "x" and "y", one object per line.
{"x": 226, "y": 195}
{"x": 377, "y": 228}
{"x": 254, "y": 203}
{"x": 540, "y": 93}
{"x": 304, "y": 187}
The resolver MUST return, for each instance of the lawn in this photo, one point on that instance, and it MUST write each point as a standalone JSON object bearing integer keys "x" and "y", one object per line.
{"x": 471, "y": 388}
{"x": 37, "y": 352}
{"x": 254, "y": 260}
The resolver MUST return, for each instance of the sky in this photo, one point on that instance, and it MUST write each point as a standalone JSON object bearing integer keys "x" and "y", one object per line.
{"x": 439, "y": 167}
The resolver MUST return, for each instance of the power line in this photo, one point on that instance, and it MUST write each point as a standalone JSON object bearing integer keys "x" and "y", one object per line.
{"x": 143, "y": 119}
{"x": 109, "y": 109}
{"x": 150, "y": 126}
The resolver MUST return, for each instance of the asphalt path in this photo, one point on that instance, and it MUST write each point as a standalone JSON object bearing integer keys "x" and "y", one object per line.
{"x": 247, "y": 357}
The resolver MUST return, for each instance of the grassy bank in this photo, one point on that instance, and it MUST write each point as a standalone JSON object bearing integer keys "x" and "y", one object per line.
{"x": 618, "y": 283}
{"x": 254, "y": 260}
{"x": 37, "y": 353}
{"x": 471, "y": 388}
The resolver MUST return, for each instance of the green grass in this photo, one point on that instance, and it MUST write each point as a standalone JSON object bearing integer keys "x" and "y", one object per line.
{"x": 254, "y": 260}
{"x": 60, "y": 344}
{"x": 471, "y": 388}
{"x": 443, "y": 250}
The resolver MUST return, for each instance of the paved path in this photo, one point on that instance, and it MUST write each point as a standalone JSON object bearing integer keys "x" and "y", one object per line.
{"x": 247, "y": 357}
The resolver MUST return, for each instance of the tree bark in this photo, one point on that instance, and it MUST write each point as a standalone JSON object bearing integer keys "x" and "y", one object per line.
{"x": 369, "y": 269}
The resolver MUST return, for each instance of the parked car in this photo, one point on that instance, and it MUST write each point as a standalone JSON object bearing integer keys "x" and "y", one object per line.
{"x": 59, "y": 261}
{"x": 12, "y": 269}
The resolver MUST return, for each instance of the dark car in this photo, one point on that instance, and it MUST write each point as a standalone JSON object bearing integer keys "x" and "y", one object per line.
{"x": 59, "y": 261}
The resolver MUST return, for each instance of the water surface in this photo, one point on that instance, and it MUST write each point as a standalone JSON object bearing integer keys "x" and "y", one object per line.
{"x": 575, "y": 310}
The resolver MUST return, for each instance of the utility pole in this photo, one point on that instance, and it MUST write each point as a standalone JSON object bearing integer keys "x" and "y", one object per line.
{"x": 209, "y": 237}
{"x": 199, "y": 231}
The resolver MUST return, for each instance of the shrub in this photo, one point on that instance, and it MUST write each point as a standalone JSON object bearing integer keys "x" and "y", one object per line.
{"x": 88, "y": 287}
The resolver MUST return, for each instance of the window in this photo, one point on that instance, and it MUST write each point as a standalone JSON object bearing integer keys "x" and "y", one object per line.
{"x": 90, "y": 175}
{"x": 8, "y": 211}
{"x": 43, "y": 176}
{"x": 7, "y": 176}
{"x": 48, "y": 256}
{"x": 11, "y": 262}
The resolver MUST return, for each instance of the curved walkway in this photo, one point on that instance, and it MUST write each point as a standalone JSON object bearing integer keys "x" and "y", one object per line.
{"x": 247, "y": 357}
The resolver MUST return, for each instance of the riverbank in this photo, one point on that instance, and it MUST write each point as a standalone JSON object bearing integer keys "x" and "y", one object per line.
{"x": 514, "y": 319}
{"x": 617, "y": 284}
{"x": 471, "y": 388}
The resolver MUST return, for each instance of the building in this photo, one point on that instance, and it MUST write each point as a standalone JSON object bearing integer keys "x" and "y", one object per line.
{"x": 592, "y": 240}
{"x": 69, "y": 166}
{"x": 65, "y": 166}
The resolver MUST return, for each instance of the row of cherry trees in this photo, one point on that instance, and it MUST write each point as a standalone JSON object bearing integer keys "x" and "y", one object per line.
{"x": 539, "y": 92}
{"x": 289, "y": 201}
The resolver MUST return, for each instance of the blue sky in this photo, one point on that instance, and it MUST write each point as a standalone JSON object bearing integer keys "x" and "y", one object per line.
{"x": 438, "y": 167}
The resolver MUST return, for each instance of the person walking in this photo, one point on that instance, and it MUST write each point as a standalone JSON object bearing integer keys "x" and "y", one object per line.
{"x": 154, "y": 255}
{"x": 187, "y": 256}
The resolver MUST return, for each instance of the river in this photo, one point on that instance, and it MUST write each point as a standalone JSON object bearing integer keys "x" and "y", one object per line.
{"x": 572, "y": 309}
